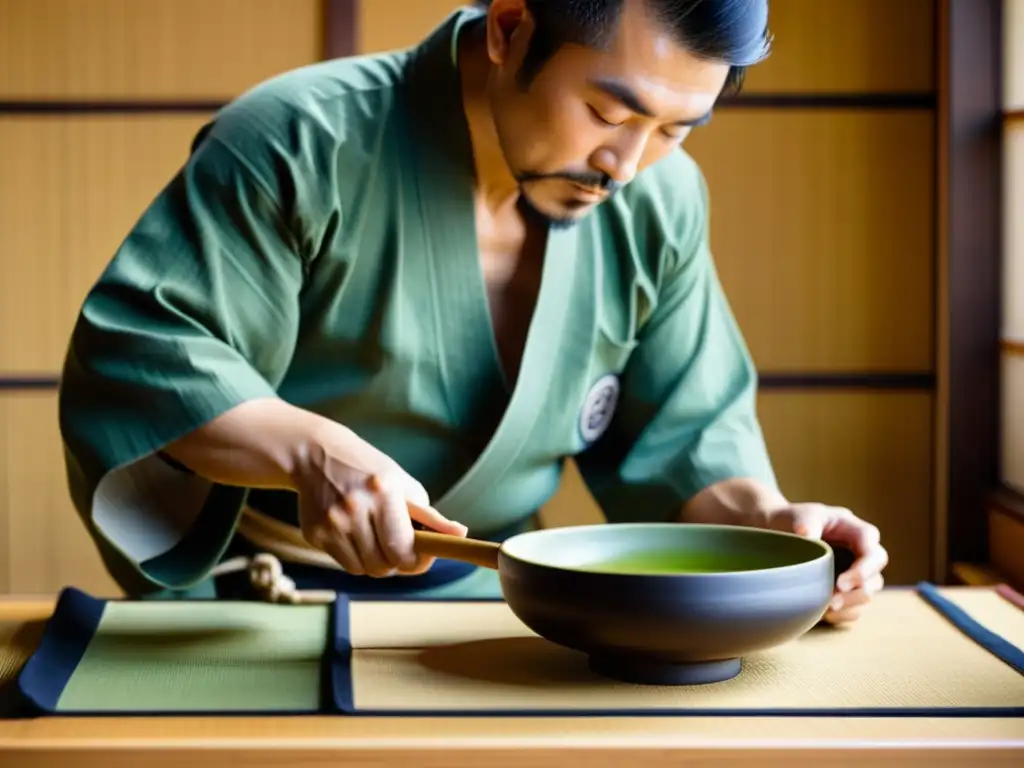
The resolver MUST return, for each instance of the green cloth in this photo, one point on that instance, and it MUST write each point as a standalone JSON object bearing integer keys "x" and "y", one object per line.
{"x": 212, "y": 657}
{"x": 319, "y": 245}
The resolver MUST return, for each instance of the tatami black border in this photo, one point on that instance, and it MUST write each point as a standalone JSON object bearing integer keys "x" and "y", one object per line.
{"x": 920, "y": 381}
{"x": 838, "y": 101}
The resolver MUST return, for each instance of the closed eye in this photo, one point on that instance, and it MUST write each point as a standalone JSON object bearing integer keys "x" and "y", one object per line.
{"x": 688, "y": 126}
{"x": 597, "y": 116}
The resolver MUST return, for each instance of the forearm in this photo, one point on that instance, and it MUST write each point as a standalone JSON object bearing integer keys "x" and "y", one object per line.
{"x": 740, "y": 501}
{"x": 259, "y": 444}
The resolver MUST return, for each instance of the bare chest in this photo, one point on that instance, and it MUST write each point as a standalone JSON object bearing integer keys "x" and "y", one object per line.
{"x": 511, "y": 263}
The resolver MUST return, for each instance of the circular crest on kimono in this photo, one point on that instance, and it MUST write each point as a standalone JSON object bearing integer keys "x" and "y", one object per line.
{"x": 599, "y": 407}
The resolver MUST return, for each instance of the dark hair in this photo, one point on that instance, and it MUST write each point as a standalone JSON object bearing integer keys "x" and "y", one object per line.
{"x": 731, "y": 31}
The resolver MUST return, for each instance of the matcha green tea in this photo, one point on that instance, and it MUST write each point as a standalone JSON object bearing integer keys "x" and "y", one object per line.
{"x": 675, "y": 561}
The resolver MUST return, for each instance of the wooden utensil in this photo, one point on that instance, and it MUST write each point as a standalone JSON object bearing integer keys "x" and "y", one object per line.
{"x": 473, "y": 551}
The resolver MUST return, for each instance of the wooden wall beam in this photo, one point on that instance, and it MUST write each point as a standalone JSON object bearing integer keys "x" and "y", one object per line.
{"x": 341, "y": 33}
{"x": 970, "y": 216}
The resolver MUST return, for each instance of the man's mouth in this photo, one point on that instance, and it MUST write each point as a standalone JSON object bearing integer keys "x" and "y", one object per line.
{"x": 589, "y": 194}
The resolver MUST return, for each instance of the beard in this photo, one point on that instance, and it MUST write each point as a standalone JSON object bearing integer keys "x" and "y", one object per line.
{"x": 533, "y": 214}
{"x": 573, "y": 211}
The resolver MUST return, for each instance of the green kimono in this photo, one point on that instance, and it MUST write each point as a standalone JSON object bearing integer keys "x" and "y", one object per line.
{"x": 319, "y": 246}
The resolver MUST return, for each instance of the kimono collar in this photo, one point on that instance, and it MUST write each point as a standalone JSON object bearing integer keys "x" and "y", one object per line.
{"x": 435, "y": 93}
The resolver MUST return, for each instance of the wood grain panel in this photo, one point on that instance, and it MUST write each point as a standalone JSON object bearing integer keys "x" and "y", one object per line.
{"x": 43, "y": 544}
{"x": 70, "y": 190}
{"x": 868, "y": 451}
{"x": 148, "y": 49}
{"x": 845, "y": 46}
{"x": 385, "y": 26}
{"x": 823, "y": 231}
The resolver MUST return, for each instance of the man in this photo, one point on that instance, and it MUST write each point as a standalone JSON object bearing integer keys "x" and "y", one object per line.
{"x": 401, "y": 289}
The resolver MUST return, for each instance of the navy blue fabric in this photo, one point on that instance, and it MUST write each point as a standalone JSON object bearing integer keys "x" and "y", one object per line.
{"x": 339, "y": 661}
{"x": 995, "y": 644}
{"x": 683, "y": 711}
{"x": 68, "y": 633}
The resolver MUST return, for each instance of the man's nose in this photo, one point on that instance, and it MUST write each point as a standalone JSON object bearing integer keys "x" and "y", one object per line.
{"x": 620, "y": 160}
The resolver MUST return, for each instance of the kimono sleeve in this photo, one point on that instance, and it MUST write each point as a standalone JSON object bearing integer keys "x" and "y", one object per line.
{"x": 196, "y": 313}
{"x": 686, "y": 417}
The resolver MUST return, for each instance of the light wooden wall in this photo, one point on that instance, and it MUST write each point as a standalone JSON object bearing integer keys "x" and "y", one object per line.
{"x": 822, "y": 224}
{"x": 823, "y": 229}
{"x": 71, "y": 185}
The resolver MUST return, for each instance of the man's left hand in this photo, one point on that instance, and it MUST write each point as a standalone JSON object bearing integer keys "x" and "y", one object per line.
{"x": 839, "y": 527}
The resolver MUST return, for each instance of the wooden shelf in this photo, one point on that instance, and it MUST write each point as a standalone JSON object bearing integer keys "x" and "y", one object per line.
{"x": 1006, "y": 536}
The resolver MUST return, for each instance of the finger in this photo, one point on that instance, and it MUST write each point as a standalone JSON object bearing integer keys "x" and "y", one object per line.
{"x": 419, "y": 508}
{"x": 874, "y": 585}
{"x": 431, "y": 518}
{"x": 838, "y": 525}
{"x": 392, "y": 525}
{"x": 416, "y": 494}
{"x": 844, "y": 616}
{"x": 362, "y": 510}
{"x": 343, "y": 550}
{"x": 857, "y": 598}
{"x": 336, "y": 541}
{"x": 808, "y": 525}
{"x": 422, "y": 565}
{"x": 864, "y": 569}
{"x": 860, "y": 535}
{"x": 414, "y": 490}
{"x": 852, "y": 599}
{"x": 802, "y": 519}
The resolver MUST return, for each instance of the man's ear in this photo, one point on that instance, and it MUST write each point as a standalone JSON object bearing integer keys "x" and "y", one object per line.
{"x": 509, "y": 26}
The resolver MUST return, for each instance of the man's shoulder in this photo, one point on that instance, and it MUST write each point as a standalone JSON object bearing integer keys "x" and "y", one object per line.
{"x": 331, "y": 88}
{"x": 308, "y": 122}
{"x": 316, "y": 109}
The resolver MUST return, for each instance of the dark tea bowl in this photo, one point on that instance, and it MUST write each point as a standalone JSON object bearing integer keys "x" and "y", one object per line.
{"x": 667, "y": 604}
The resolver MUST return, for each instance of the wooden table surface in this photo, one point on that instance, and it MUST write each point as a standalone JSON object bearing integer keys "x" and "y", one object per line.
{"x": 485, "y": 742}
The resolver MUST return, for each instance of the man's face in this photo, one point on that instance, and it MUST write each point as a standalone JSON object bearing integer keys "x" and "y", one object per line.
{"x": 591, "y": 120}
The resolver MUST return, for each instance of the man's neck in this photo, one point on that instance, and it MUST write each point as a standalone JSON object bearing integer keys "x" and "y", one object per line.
{"x": 496, "y": 187}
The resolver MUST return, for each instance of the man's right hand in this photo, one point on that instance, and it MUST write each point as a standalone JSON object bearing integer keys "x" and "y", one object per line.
{"x": 355, "y": 502}
{"x": 357, "y": 505}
